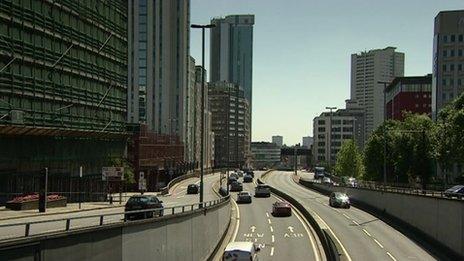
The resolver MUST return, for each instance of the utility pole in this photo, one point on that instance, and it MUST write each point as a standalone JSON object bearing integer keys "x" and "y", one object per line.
{"x": 330, "y": 136}
{"x": 202, "y": 140}
{"x": 384, "y": 132}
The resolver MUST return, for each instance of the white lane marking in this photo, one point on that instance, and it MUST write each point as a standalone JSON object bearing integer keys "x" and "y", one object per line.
{"x": 272, "y": 239}
{"x": 267, "y": 214}
{"x": 269, "y": 221}
{"x": 335, "y": 236}
{"x": 378, "y": 243}
{"x": 367, "y": 233}
{"x": 271, "y": 228}
{"x": 354, "y": 221}
{"x": 252, "y": 228}
{"x": 238, "y": 221}
{"x": 391, "y": 256}
{"x": 272, "y": 251}
{"x": 345, "y": 215}
{"x": 300, "y": 218}
{"x": 181, "y": 196}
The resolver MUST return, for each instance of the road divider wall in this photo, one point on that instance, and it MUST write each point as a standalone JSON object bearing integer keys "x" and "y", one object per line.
{"x": 184, "y": 236}
{"x": 332, "y": 250}
{"x": 438, "y": 222}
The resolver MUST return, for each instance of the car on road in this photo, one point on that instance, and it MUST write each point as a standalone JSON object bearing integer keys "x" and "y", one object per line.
{"x": 339, "y": 199}
{"x": 456, "y": 191}
{"x": 247, "y": 178}
{"x": 250, "y": 172}
{"x": 349, "y": 181}
{"x": 319, "y": 172}
{"x": 244, "y": 197}
{"x": 327, "y": 180}
{"x": 241, "y": 251}
{"x": 193, "y": 189}
{"x": 236, "y": 186}
{"x": 239, "y": 173}
{"x": 281, "y": 208}
{"x": 140, "y": 202}
{"x": 262, "y": 190}
{"x": 231, "y": 179}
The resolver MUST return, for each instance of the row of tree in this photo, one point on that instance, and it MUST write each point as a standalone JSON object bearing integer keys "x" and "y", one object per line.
{"x": 411, "y": 148}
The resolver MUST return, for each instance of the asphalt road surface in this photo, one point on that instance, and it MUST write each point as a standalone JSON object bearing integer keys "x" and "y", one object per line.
{"x": 362, "y": 235}
{"x": 280, "y": 238}
{"x": 178, "y": 196}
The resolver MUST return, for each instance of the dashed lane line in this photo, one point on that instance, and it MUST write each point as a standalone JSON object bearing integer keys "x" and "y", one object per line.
{"x": 271, "y": 228}
{"x": 267, "y": 214}
{"x": 272, "y": 251}
{"x": 345, "y": 215}
{"x": 269, "y": 221}
{"x": 378, "y": 243}
{"x": 391, "y": 256}
{"x": 367, "y": 233}
{"x": 356, "y": 223}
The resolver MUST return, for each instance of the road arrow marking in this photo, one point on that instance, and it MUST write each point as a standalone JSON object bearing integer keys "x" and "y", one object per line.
{"x": 253, "y": 228}
{"x": 291, "y": 229}
{"x": 260, "y": 235}
{"x": 286, "y": 235}
{"x": 248, "y": 235}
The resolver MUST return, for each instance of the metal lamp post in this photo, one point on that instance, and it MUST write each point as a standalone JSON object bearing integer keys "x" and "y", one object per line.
{"x": 384, "y": 132}
{"x": 330, "y": 136}
{"x": 202, "y": 140}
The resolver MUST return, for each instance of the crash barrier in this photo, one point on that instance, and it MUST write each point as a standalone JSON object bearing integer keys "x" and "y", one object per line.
{"x": 332, "y": 250}
{"x": 189, "y": 235}
{"x": 196, "y": 173}
{"x": 437, "y": 222}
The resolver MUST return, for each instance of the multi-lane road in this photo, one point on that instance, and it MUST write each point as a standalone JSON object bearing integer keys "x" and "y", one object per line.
{"x": 280, "y": 238}
{"x": 177, "y": 197}
{"x": 362, "y": 236}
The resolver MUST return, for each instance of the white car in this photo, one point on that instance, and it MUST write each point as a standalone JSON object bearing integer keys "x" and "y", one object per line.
{"x": 326, "y": 180}
{"x": 241, "y": 251}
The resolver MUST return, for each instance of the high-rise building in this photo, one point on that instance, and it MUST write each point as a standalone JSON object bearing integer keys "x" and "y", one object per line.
{"x": 278, "y": 140}
{"x": 367, "y": 69}
{"x": 231, "y": 53}
{"x": 409, "y": 94}
{"x": 265, "y": 154}
{"x": 329, "y": 131}
{"x": 448, "y": 59}
{"x": 63, "y": 91}
{"x": 190, "y": 113}
{"x": 158, "y": 43}
{"x": 307, "y": 141}
{"x": 230, "y": 113}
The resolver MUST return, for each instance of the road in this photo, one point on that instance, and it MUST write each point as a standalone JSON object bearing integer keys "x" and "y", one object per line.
{"x": 178, "y": 196}
{"x": 280, "y": 238}
{"x": 363, "y": 236}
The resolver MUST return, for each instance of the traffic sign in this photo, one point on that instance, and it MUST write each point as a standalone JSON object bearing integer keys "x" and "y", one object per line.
{"x": 112, "y": 173}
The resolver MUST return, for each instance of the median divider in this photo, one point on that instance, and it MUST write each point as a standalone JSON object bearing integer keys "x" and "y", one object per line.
{"x": 332, "y": 249}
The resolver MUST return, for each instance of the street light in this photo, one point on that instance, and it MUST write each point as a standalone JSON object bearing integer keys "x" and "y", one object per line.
{"x": 202, "y": 140}
{"x": 384, "y": 132}
{"x": 330, "y": 136}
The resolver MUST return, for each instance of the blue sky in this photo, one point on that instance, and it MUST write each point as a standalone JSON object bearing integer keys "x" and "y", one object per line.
{"x": 302, "y": 51}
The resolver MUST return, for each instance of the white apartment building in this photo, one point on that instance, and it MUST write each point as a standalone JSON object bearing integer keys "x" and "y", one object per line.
{"x": 367, "y": 69}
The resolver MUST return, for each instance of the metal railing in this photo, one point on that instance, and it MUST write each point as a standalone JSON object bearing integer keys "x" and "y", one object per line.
{"x": 389, "y": 188}
{"x": 26, "y": 229}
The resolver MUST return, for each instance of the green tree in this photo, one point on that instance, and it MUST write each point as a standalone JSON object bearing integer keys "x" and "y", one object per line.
{"x": 128, "y": 169}
{"x": 349, "y": 160}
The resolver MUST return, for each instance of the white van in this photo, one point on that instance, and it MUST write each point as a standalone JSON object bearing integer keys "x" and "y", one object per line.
{"x": 239, "y": 251}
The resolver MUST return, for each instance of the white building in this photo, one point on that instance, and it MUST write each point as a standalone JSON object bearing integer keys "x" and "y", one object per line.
{"x": 367, "y": 69}
{"x": 278, "y": 140}
{"x": 346, "y": 124}
{"x": 158, "y": 59}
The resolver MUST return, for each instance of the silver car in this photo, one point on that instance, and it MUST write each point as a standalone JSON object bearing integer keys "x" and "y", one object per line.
{"x": 244, "y": 197}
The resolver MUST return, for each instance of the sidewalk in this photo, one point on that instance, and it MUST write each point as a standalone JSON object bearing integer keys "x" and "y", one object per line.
{"x": 6, "y": 214}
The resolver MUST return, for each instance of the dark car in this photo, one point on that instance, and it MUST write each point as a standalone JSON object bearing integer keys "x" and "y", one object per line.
{"x": 456, "y": 191}
{"x": 247, "y": 178}
{"x": 236, "y": 186}
{"x": 250, "y": 172}
{"x": 281, "y": 208}
{"x": 338, "y": 199}
{"x": 262, "y": 190}
{"x": 192, "y": 189}
{"x": 231, "y": 180}
{"x": 141, "y": 202}
{"x": 244, "y": 197}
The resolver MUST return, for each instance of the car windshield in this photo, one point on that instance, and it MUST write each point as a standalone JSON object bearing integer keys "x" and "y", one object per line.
{"x": 138, "y": 200}
{"x": 341, "y": 196}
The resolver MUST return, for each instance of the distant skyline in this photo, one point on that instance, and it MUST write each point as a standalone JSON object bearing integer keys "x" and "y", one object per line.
{"x": 301, "y": 61}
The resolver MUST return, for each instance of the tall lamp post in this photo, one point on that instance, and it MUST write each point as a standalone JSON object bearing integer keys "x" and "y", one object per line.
{"x": 330, "y": 135}
{"x": 202, "y": 139}
{"x": 384, "y": 132}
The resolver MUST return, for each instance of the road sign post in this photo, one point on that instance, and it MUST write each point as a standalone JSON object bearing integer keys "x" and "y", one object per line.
{"x": 80, "y": 186}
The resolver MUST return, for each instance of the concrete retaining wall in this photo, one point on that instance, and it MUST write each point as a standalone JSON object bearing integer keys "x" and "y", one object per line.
{"x": 439, "y": 220}
{"x": 191, "y": 236}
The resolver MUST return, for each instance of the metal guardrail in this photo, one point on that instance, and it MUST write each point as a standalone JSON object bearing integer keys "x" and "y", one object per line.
{"x": 387, "y": 188}
{"x": 101, "y": 218}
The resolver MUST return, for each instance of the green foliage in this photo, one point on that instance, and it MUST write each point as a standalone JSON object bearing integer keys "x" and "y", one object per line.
{"x": 349, "y": 161}
{"x": 128, "y": 169}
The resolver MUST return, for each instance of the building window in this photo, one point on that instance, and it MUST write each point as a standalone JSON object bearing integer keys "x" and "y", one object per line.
{"x": 452, "y": 53}
{"x": 460, "y": 52}
{"x": 321, "y": 122}
{"x": 445, "y": 53}
{"x": 443, "y": 82}
{"x": 417, "y": 105}
{"x": 459, "y": 82}
{"x": 459, "y": 67}
{"x": 445, "y": 38}
{"x": 444, "y": 67}
{"x": 452, "y": 67}
{"x": 453, "y": 38}
{"x": 460, "y": 38}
